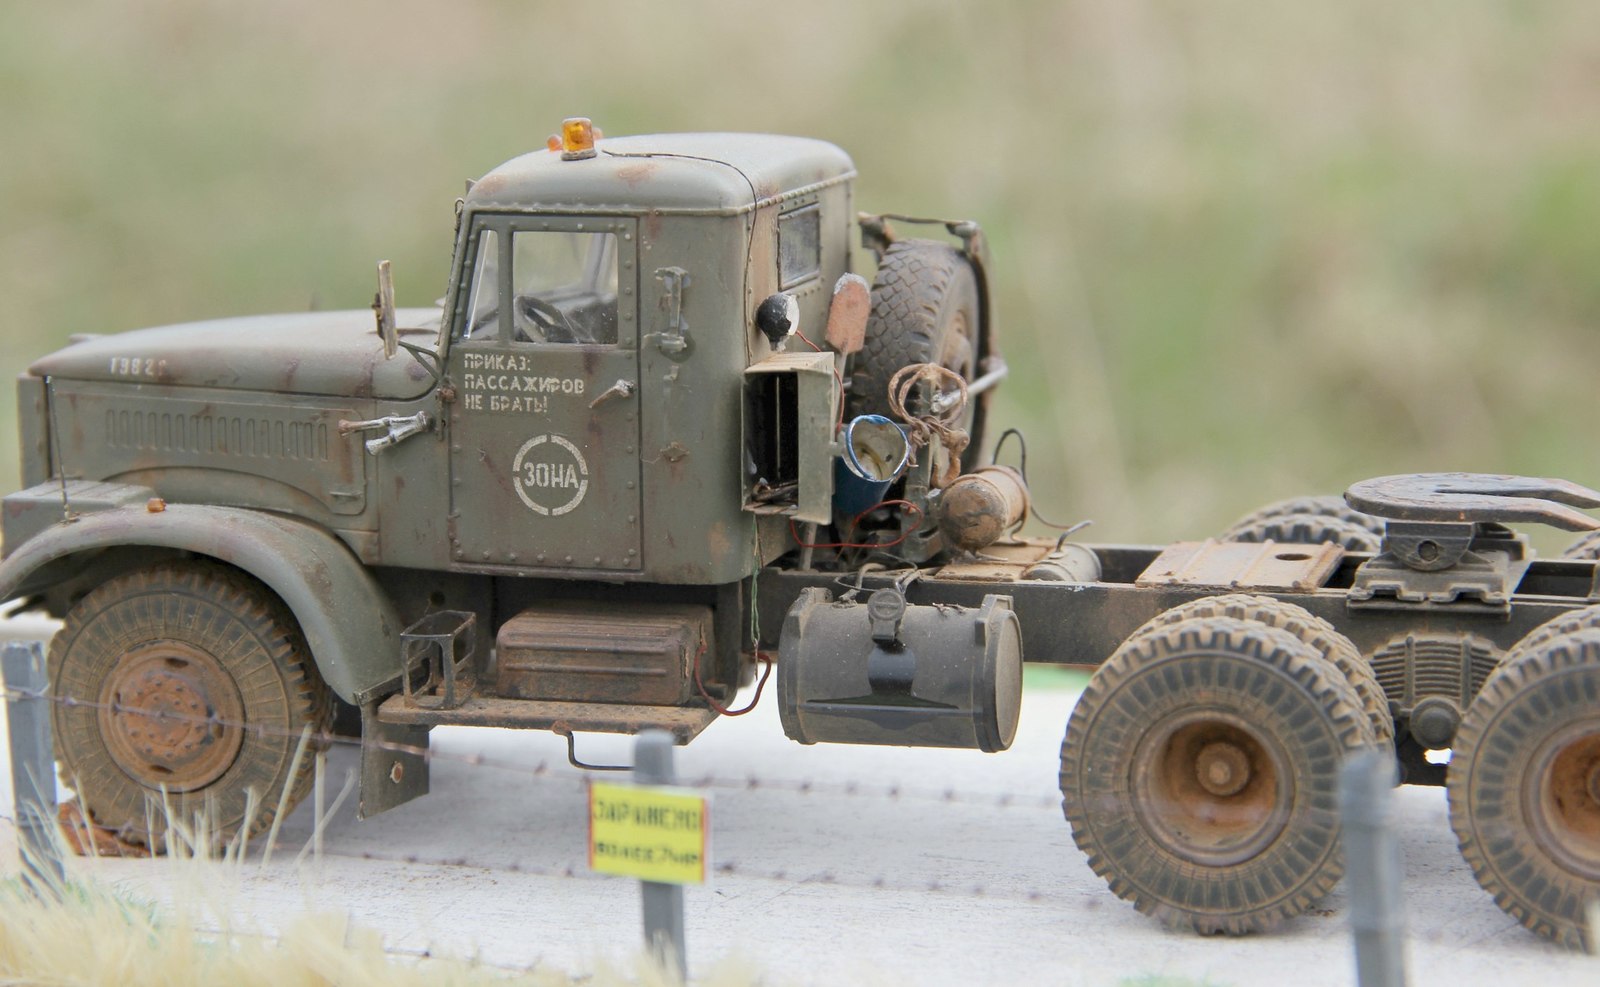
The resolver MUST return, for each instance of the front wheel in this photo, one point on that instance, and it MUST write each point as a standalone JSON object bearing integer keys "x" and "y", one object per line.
{"x": 188, "y": 685}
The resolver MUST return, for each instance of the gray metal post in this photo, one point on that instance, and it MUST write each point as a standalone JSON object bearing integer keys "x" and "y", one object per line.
{"x": 1372, "y": 868}
{"x": 663, "y": 903}
{"x": 33, "y": 769}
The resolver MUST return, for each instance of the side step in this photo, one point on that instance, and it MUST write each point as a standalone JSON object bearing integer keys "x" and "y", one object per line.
{"x": 683, "y": 722}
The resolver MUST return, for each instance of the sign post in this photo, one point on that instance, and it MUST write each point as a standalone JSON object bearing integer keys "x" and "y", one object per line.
{"x": 655, "y": 833}
{"x": 33, "y": 769}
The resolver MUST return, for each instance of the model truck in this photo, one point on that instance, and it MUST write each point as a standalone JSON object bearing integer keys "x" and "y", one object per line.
{"x": 657, "y": 435}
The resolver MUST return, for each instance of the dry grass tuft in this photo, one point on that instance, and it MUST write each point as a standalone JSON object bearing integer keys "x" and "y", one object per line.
{"x": 83, "y": 933}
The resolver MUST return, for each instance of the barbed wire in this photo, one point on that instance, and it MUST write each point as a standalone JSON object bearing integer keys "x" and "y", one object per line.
{"x": 724, "y": 868}
{"x": 543, "y": 769}
{"x": 325, "y": 740}
{"x": 732, "y": 868}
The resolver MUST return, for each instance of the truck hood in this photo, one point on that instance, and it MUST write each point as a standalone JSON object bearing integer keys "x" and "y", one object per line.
{"x": 325, "y": 353}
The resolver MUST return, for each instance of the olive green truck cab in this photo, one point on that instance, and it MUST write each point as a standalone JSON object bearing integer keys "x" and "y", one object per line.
{"x": 560, "y": 446}
{"x": 659, "y": 434}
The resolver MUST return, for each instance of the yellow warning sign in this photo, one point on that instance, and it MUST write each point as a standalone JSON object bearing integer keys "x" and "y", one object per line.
{"x": 652, "y": 833}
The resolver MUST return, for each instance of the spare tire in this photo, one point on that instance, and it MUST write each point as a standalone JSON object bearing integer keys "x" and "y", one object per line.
{"x": 925, "y": 309}
{"x": 1310, "y": 521}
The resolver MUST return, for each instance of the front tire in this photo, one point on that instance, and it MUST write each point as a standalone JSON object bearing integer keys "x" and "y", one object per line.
{"x": 189, "y": 679}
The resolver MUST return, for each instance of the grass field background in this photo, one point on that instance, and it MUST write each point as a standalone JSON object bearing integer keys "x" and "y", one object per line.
{"x": 1244, "y": 250}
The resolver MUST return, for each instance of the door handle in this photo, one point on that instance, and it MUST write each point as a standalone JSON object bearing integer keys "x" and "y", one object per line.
{"x": 621, "y": 389}
{"x": 398, "y": 428}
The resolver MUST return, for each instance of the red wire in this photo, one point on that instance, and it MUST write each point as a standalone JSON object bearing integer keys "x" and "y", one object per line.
{"x": 765, "y": 673}
{"x": 857, "y": 520}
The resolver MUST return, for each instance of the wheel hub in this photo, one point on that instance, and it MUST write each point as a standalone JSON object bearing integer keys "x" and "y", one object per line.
{"x": 1222, "y": 768}
{"x": 171, "y": 716}
{"x": 1211, "y": 787}
{"x": 1562, "y": 800}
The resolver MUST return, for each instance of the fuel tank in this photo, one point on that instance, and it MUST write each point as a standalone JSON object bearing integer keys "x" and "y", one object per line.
{"x": 884, "y": 672}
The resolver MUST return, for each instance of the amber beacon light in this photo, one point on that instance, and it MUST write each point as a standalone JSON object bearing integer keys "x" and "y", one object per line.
{"x": 576, "y": 140}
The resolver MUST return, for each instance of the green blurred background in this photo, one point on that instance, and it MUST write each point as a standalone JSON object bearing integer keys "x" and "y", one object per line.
{"x": 1244, "y": 250}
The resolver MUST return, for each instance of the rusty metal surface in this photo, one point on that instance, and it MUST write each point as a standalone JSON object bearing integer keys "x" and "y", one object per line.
{"x": 349, "y": 622}
{"x": 847, "y": 315}
{"x": 1476, "y": 497}
{"x": 1082, "y": 623}
{"x": 32, "y": 432}
{"x": 217, "y": 447}
{"x": 639, "y": 653}
{"x": 322, "y": 353}
{"x": 86, "y": 839}
{"x": 1486, "y": 580}
{"x": 717, "y": 174}
{"x": 153, "y": 715}
{"x": 683, "y": 722}
{"x": 443, "y": 645}
{"x": 538, "y": 477}
{"x": 978, "y": 508}
{"x": 394, "y": 762}
{"x": 1244, "y": 565}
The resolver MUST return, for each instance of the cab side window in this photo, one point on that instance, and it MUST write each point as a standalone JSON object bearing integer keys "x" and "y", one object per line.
{"x": 563, "y": 287}
{"x": 483, "y": 311}
{"x": 799, "y": 245}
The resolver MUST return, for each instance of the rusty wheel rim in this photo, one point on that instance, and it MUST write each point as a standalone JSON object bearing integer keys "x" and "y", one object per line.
{"x": 171, "y": 716}
{"x": 1561, "y": 798}
{"x": 1211, "y": 787}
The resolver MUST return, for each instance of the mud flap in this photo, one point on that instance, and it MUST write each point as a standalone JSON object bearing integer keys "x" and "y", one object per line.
{"x": 394, "y": 763}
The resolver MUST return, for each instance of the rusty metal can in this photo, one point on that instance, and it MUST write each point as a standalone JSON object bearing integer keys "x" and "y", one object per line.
{"x": 978, "y": 508}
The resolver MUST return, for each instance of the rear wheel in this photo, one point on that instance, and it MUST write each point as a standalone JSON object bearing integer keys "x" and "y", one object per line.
{"x": 1524, "y": 786}
{"x": 1585, "y": 548}
{"x": 188, "y": 682}
{"x": 1306, "y": 627}
{"x": 1200, "y": 773}
{"x": 1310, "y": 521}
{"x": 924, "y": 310}
{"x": 1558, "y": 626}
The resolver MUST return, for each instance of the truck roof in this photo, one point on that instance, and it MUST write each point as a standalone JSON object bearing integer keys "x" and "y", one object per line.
{"x": 721, "y": 174}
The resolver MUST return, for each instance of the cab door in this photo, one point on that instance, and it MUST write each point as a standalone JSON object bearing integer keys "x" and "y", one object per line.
{"x": 544, "y": 431}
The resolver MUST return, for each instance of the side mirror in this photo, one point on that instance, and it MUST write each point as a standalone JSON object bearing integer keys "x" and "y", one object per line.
{"x": 383, "y": 308}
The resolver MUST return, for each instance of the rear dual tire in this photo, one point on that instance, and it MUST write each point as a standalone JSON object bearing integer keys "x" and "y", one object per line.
{"x": 1200, "y": 769}
{"x": 1524, "y": 781}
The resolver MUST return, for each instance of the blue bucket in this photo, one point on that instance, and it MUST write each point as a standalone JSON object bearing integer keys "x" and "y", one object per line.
{"x": 875, "y": 454}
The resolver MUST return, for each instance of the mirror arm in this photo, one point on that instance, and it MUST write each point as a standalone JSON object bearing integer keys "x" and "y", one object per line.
{"x": 428, "y": 358}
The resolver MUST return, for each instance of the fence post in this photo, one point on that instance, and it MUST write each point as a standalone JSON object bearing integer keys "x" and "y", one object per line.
{"x": 33, "y": 769}
{"x": 1372, "y": 868}
{"x": 663, "y": 903}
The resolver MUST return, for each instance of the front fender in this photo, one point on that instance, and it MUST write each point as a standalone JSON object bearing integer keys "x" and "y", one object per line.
{"x": 348, "y": 621}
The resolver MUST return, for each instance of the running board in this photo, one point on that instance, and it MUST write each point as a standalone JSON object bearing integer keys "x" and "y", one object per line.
{"x": 683, "y": 722}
